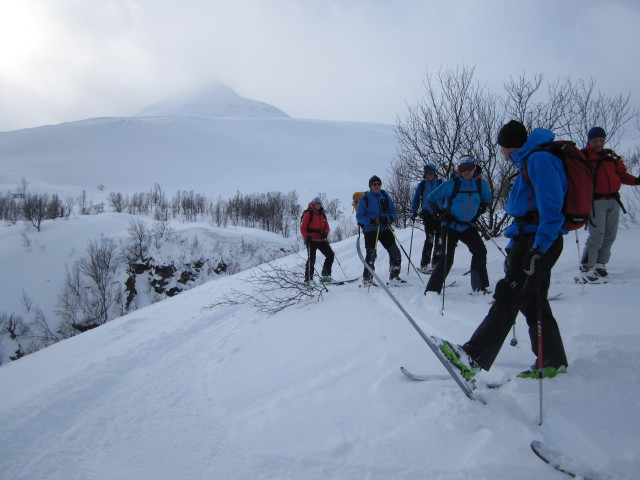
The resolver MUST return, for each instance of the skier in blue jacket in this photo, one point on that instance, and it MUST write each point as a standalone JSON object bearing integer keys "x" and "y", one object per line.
{"x": 535, "y": 246}
{"x": 422, "y": 206}
{"x": 376, "y": 212}
{"x": 466, "y": 196}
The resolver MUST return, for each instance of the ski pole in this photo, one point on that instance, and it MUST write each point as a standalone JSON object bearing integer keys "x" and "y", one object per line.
{"x": 413, "y": 225}
{"x": 405, "y": 253}
{"x": 579, "y": 256}
{"x": 444, "y": 265}
{"x": 484, "y": 230}
{"x": 336, "y": 257}
{"x": 540, "y": 362}
{"x": 578, "y": 247}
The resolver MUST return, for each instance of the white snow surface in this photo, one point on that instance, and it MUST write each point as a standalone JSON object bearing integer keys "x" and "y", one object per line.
{"x": 209, "y": 141}
{"x": 180, "y": 391}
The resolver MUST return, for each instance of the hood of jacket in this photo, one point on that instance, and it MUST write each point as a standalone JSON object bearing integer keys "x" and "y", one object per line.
{"x": 432, "y": 167}
{"x": 538, "y": 137}
{"x": 311, "y": 208}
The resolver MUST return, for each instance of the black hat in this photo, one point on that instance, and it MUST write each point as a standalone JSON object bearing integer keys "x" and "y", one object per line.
{"x": 512, "y": 135}
{"x": 596, "y": 132}
{"x": 375, "y": 178}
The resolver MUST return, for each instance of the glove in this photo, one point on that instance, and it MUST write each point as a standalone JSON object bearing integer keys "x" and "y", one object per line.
{"x": 374, "y": 221}
{"x": 307, "y": 240}
{"x": 323, "y": 234}
{"x": 481, "y": 209}
{"x": 532, "y": 261}
{"x": 447, "y": 217}
{"x": 637, "y": 180}
{"x": 385, "y": 220}
{"x": 414, "y": 215}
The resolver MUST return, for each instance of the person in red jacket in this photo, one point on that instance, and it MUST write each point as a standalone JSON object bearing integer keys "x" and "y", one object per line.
{"x": 314, "y": 228}
{"x": 610, "y": 173}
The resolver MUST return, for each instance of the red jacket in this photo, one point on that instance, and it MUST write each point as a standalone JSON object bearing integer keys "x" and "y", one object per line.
{"x": 610, "y": 172}
{"x": 314, "y": 223}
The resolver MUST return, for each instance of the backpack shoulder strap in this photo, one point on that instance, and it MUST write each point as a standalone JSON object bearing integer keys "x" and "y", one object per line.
{"x": 456, "y": 186}
{"x": 310, "y": 215}
{"x": 422, "y": 184}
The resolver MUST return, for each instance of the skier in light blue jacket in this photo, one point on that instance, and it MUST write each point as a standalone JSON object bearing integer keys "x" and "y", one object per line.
{"x": 466, "y": 196}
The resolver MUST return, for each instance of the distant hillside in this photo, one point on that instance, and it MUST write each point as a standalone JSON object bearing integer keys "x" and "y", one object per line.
{"x": 210, "y": 141}
{"x": 212, "y": 100}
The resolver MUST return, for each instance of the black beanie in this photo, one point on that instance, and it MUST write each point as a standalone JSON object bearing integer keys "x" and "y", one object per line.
{"x": 596, "y": 132}
{"x": 512, "y": 135}
{"x": 375, "y": 178}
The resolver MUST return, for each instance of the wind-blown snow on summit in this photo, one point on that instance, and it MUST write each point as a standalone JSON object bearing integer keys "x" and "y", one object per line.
{"x": 212, "y": 100}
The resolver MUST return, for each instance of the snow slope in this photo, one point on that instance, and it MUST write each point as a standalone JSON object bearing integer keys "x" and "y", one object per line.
{"x": 36, "y": 262}
{"x": 210, "y": 141}
{"x": 180, "y": 391}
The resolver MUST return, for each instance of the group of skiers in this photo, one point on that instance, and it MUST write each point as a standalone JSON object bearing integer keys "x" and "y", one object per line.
{"x": 450, "y": 211}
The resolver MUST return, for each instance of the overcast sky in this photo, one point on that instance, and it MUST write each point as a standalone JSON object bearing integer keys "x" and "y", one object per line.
{"x": 64, "y": 60}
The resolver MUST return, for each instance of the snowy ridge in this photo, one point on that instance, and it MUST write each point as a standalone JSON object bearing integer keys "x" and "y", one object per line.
{"x": 176, "y": 390}
{"x": 216, "y": 157}
{"x": 213, "y": 100}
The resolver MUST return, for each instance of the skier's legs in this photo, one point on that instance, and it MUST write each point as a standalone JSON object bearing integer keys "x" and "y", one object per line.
{"x": 444, "y": 264}
{"x": 388, "y": 241}
{"x": 311, "y": 261}
{"x": 329, "y": 256}
{"x": 370, "y": 253}
{"x": 553, "y": 353}
{"x": 487, "y": 340}
{"x": 479, "y": 276}
{"x": 612, "y": 221}
{"x": 596, "y": 227}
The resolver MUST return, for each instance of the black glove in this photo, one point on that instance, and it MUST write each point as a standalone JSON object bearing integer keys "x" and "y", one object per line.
{"x": 481, "y": 209}
{"x": 307, "y": 240}
{"x": 447, "y": 217}
{"x": 637, "y": 180}
{"x": 414, "y": 215}
{"x": 532, "y": 261}
{"x": 323, "y": 234}
{"x": 385, "y": 220}
{"x": 374, "y": 221}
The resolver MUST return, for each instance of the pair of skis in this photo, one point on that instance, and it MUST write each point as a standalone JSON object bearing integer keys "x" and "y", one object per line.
{"x": 548, "y": 454}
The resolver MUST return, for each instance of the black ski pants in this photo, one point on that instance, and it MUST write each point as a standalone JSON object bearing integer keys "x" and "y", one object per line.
{"x": 388, "y": 241}
{"x": 517, "y": 292}
{"x": 432, "y": 237}
{"x": 327, "y": 251}
{"x": 471, "y": 238}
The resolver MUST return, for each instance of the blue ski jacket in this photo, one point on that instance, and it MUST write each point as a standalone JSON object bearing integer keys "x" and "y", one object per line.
{"x": 465, "y": 203}
{"x": 375, "y": 205}
{"x": 424, "y": 188}
{"x": 549, "y": 181}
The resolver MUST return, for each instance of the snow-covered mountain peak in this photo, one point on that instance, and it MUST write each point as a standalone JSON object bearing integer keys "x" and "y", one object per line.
{"x": 211, "y": 100}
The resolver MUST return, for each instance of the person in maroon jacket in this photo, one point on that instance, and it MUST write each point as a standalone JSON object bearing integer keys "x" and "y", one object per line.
{"x": 314, "y": 228}
{"x": 610, "y": 173}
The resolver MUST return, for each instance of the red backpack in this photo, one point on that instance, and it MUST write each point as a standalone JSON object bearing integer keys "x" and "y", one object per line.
{"x": 578, "y": 202}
